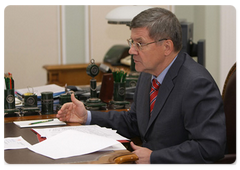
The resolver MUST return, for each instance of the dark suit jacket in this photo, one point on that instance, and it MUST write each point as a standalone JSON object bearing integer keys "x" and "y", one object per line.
{"x": 188, "y": 122}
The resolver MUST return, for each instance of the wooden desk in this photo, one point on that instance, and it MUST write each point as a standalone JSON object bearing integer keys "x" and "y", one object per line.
{"x": 25, "y": 156}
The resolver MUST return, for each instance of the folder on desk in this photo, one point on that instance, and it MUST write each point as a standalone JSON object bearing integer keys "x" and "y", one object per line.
{"x": 57, "y": 90}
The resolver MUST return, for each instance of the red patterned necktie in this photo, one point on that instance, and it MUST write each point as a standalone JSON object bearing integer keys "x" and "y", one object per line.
{"x": 153, "y": 94}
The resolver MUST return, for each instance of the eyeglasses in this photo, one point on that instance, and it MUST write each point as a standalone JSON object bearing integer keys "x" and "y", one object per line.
{"x": 138, "y": 46}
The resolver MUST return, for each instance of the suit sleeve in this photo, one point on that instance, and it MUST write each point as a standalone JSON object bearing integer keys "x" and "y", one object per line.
{"x": 204, "y": 120}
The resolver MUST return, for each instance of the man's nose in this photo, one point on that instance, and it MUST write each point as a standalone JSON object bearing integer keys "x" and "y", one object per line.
{"x": 132, "y": 51}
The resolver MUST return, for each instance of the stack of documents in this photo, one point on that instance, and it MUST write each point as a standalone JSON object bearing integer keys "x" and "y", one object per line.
{"x": 89, "y": 129}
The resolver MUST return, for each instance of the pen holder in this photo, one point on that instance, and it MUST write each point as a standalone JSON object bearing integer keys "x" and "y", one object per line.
{"x": 30, "y": 100}
{"x": 47, "y": 102}
{"x": 119, "y": 91}
{"x": 9, "y": 99}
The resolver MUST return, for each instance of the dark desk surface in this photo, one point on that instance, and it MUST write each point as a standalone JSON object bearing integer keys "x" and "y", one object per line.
{"x": 25, "y": 156}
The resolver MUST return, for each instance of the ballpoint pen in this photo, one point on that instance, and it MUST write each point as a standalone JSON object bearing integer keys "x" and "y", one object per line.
{"x": 44, "y": 121}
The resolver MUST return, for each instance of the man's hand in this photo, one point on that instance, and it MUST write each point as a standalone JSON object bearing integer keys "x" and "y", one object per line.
{"x": 142, "y": 153}
{"x": 73, "y": 112}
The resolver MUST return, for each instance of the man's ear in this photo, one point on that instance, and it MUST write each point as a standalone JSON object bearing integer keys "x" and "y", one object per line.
{"x": 169, "y": 47}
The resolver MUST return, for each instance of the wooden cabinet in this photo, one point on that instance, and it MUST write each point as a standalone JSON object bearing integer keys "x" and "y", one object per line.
{"x": 75, "y": 74}
{"x": 70, "y": 74}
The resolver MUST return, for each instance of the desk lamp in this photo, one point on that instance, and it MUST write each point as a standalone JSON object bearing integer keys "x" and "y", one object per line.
{"x": 93, "y": 103}
{"x": 124, "y": 15}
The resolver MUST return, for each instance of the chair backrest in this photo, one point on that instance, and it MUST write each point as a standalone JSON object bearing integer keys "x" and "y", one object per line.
{"x": 229, "y": 101}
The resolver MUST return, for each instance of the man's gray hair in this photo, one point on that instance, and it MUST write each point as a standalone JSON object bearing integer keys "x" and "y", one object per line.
{"x": 160, "y": 23}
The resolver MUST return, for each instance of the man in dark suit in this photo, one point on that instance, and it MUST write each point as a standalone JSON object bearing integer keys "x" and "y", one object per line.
{"x": 177, "y": 110}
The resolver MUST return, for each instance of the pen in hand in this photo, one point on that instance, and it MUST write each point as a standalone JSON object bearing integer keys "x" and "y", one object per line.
{"x": 44, "y": 121}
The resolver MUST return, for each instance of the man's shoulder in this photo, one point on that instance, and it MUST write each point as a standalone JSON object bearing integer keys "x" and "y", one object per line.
{"x": 191, "y": 69}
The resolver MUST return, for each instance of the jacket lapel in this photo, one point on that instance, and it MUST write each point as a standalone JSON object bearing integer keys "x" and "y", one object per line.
{"x": 163, "y": 93}
{"x": 144, "y": 101}
{"x": 165, "y": 89}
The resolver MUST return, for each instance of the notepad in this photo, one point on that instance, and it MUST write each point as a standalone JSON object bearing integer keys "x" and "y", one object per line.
{"x": 24, "y": 124}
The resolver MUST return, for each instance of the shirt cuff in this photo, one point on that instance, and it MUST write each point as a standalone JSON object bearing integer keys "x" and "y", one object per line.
{"x": 89, "y": 118}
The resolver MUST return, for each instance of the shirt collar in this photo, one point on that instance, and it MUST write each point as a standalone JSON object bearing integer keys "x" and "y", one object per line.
{"x": 161, "y": 76}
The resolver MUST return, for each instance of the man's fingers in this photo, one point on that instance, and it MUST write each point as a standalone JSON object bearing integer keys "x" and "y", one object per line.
{"x": 74, "y": 100}
{"x": 134, "y": 146}
{"x": 61, "y": 115}
{"x": 64, "y": 108}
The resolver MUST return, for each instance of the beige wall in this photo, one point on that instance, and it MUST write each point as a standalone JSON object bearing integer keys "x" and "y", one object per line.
{"x": 30, "y": 41}
{"x": 228, "y": 52}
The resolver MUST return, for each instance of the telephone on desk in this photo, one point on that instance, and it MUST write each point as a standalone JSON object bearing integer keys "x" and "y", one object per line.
{"x": 126, "y": 61}
{"x": 115, "y": 54}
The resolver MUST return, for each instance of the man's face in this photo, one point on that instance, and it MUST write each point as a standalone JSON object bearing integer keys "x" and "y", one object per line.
{"x": 150, "y": 57}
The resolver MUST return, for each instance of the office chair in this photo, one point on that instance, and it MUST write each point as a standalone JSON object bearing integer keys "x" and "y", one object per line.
{"x": 229, "y": 102}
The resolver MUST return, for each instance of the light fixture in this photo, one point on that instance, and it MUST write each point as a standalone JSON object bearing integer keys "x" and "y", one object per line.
{"x": 124, "y": 14}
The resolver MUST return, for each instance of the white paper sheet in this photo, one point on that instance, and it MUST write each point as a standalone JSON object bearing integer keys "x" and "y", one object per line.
{"x": 71, "y": 143}
{"x": 24, "y": 124}
{"x": 15, "y": 143}
{"x": 116, "y": 147}
{"x": 91, "y": 129}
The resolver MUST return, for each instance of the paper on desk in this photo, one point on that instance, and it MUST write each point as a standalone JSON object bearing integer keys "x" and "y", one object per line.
{"x": 118, "y": 146}
{"x": 71, "y": 143}
{"x": 15, "y": 143}
{"x": 24, "y": 124}
{"x": 91, "y": 129}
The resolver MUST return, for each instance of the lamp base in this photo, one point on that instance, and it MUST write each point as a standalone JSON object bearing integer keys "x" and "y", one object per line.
{"x": 95, "y": 104}
{"x": 26, "y": 111}
{"x": 120, "y": 104}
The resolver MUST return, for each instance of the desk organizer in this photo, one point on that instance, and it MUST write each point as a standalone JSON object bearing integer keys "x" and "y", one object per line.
{"x": 9, "y": 104}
